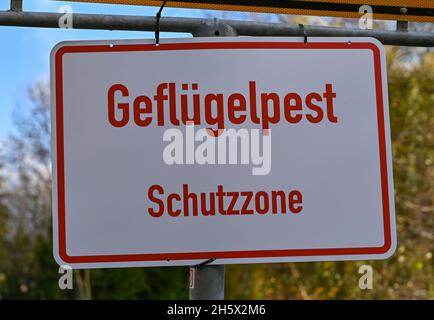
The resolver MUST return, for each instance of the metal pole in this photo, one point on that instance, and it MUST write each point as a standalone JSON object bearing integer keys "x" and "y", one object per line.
{"x": 17, "y": 5}
{"x": 209, "y": 280}
{"x": 209, "y": 283}
{"x": 402, "y": 26}
{"x": 194, "y": 26}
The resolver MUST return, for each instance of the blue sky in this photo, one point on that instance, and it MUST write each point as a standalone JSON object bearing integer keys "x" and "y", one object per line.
{"x": 24, "y": 54}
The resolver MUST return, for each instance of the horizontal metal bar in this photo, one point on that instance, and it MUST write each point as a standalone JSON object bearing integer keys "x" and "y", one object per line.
{"x": 192, "y": 25}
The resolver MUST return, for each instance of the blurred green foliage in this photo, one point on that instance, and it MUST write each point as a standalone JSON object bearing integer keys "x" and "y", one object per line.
{"x": 28, "y": 271}
{"x": 409, "y": 274}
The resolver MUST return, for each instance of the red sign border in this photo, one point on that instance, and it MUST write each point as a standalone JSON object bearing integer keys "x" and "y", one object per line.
{"x": 62, "y": 250}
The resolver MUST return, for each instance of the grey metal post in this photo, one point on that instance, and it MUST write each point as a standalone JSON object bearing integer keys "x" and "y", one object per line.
{"x": 209, "y": 283}
{"x": 17, "y": 5}
{"x": 402, "y": 26}
{"x": 209, "y": 280}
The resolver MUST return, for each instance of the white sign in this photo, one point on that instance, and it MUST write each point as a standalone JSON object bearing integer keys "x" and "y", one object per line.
{"x": 240, "y": 149}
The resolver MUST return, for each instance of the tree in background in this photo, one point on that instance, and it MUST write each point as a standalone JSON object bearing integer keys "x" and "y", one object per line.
{"x": 27, "y": 267}
{"x": 4, "y": 215}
